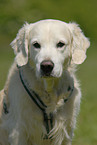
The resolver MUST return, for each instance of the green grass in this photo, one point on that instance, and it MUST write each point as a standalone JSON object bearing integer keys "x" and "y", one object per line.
{"x": 86, "y": 133}
{"x": 6, "y": 59}
{"x": 13, "y": 14}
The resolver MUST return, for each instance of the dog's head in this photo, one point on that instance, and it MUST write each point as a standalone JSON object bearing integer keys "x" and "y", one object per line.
{"x": 49, "y": 46}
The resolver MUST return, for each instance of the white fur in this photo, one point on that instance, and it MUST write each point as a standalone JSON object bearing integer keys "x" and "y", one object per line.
{"x": 24, "y": 125}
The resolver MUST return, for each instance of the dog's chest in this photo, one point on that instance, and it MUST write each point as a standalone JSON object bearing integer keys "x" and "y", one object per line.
{"x": 48, "y": 100}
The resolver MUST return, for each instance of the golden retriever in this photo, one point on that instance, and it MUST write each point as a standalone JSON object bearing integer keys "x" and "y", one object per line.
{"x": 41, "y": 97}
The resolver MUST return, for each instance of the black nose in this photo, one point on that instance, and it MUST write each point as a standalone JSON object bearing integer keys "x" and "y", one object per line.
{"x": 47, "y": 67}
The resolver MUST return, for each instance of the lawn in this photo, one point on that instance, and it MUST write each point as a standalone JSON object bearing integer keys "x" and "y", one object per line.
{"x": 86, "y": 132}
{"x": 12, "y": 16}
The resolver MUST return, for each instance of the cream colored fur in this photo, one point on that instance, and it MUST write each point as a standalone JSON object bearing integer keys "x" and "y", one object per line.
{"x": 24, "y": 124}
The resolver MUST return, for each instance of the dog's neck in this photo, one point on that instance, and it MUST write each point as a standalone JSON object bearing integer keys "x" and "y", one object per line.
{"x": 49, "y": 84}
{"x": 49, "y": 89}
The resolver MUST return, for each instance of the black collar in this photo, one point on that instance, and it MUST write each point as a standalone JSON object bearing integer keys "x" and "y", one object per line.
{"x": 5, "y": 108}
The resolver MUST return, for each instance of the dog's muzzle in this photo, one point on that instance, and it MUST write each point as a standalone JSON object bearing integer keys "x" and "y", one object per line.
{"x": 46, "y": 67}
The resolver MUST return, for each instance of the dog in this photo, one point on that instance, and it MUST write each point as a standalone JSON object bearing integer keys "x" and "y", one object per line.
{"x": 41, "y": 97}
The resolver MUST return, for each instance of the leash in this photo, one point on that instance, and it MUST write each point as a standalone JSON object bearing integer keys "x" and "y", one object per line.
{"x": 48, "y": 119}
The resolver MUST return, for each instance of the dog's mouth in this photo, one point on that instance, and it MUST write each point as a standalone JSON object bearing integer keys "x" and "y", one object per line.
{"x": 47, "y": 75}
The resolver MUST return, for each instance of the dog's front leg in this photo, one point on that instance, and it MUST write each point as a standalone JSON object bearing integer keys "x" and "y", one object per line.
{"x": 17, "y": 138}
{"x": 3, "y": 137}
{"x": 66, "y": 143}
{"x": 17, "y": 142}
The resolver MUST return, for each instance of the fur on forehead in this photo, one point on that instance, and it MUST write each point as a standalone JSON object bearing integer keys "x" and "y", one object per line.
{"x": 55, "y": 26}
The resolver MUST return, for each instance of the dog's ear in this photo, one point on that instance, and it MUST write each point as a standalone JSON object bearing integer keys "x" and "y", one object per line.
{"x": 79, "y": 44}
{"x": 20, "y": 45}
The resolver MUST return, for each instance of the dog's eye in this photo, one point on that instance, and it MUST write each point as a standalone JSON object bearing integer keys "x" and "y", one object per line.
{"x": 60, "y": 44}
{"x": 37, "y": 45}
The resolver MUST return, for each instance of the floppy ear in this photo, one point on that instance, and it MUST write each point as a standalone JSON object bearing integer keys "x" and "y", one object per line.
{"x": 20, "y": 46}
{"x": 79, "y": 44}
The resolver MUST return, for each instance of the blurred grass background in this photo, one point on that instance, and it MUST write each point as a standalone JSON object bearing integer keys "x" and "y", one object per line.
{"x": 14, "y": 13}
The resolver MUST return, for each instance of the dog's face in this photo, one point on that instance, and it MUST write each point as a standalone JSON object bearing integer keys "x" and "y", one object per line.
{"x": 49, "y": 47}
{"x": 52, "y": 45}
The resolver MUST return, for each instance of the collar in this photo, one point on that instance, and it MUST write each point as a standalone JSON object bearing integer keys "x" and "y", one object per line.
{"x": 5, "y": 108}
{"x": 71, "y": 92}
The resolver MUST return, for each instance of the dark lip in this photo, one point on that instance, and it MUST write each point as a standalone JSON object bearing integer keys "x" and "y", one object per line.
{"x": 47, "y": 75}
